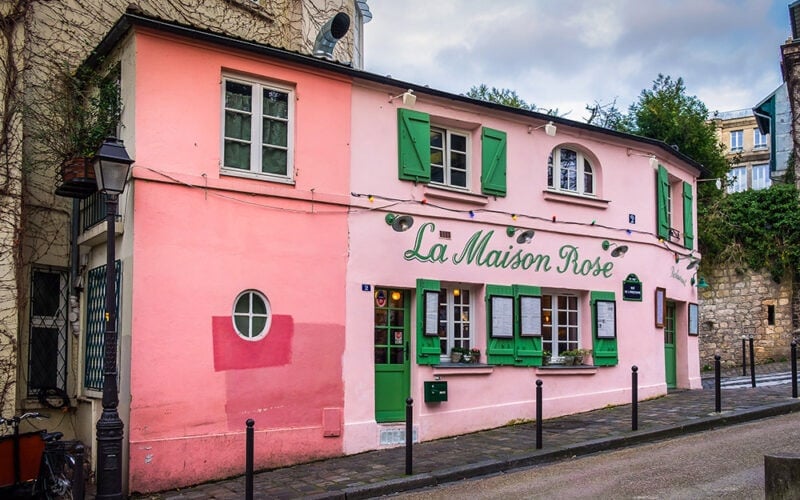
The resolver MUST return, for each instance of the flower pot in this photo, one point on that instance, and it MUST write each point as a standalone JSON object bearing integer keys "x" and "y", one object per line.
{"x": 455, "y": 357}
{"x": 476, "y": 358}
{"x": 569, "y": 360}
{"x": 77, "y": 168}
{"x": 578, "y": 360}
{"x": 77, "y": 179}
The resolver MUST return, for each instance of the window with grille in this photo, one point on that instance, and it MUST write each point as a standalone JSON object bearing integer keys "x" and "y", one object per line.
{"x": 560, "y": 325}
{"x": 96, "y": 325}
{"x": 47, "y": 348}
{"x": 455, "y": 319}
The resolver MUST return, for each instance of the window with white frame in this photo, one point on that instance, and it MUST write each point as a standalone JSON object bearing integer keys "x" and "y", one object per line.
{"x": 560, "y": 323}
{"x": 569, "y": 170}
{"x": 455, "y": 319}
{"x": 760, "y": 177}
{"x": 759, "y": 139}
{"x": 737, "y": 137}
{"x": 449, "y": 159}
{"x": 257, "y": 128}
{"x": 251, "y": 315}
{"x": 737, "y": 179}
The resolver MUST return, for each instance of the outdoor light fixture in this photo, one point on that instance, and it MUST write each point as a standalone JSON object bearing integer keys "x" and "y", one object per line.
{"x": 694, "y": 263}
{"x": 409, "y": 99}
{"x": 111, "y": 165}
{"x": 617, "y": 252}
{"x": 399, "y": 223}
{"x": 700, "y": 284}
{"x": 524, "y": 237}
{"x": 653, "y": 162}
{"x": 549, "y": 128}
{"x": 717, "y": 182}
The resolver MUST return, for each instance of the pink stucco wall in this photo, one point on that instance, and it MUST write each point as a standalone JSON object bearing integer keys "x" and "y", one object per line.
{"x": 199, "y": 239}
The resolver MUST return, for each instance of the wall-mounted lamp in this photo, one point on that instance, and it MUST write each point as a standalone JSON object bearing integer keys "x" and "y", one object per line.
{"x": 652, "y": 158}
{"x": 399, "y": 223}
{"x": 717, "y": 183}
{"x": 409, "y": 99}
{"x": 549, "y": 128}
{"x": 617, "y": 252}
{"x": 524, "y": 237}
{"x": 694, "y": 263}
{"x": 700, "y": 284}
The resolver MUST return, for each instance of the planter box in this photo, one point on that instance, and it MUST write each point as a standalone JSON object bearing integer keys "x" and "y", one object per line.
{"x": 77, "y": 179}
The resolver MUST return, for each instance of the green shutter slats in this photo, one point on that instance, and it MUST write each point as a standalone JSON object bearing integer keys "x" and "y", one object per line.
{"x": 493, "y": 164}
{"x": 500, "y": 351}
{"x": 413, "y": 145}
{"x": 688, "y": 216}
{"x": 662, "y": 196}
{"x": 428, "y": 350}
{"x": 604, "y": 351}
{"x": 528, "y": 349}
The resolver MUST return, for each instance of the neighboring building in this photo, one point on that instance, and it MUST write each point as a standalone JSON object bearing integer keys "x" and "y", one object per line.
{"x": 748, "y": 150}
{"x": 774, "y": 119}
{"x": 306, "y": 244}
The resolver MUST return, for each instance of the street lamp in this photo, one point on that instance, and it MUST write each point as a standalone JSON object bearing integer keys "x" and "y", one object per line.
{"x": 111, "y": 166}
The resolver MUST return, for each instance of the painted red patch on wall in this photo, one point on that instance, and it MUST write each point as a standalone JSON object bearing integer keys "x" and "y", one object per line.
{"x": 231, "y": 352}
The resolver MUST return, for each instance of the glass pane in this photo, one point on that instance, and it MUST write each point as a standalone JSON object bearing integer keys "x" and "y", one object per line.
{"x": 275, "y": 132}
{"x": 437, "y": 174}
{"x": 397, "y": 337}
{"x": 397, "y": 356}
{"x": 458, "y": 178}
{"x": 396, "y": 298}
{"x": 381, "y": 336}
{"x": 458, "y": 142}
{"x": 237, "y": 96}
{"x": 276, "y": 103}
{"x": 259, "y": 323}
{"x": 437, "y": 157}
{"x": 573, "y": 318}
{"x": 397, "y": 318}
{"x": 437, "y": 140}
{"x": 242, "y": 324}
{"x": 458, "y": 160}
{"x": 381, "y": 356}
{"x": 237, "y": 155}
{"x": 259, "y": 307}
{"x": 46, "y": 293}
{"x": 237, "y": 125}
{"x": 243, "y": 304}
{"x": 273, "y": 161}
{"x": 380, "y": 317}
{"x": 44, "y": 357}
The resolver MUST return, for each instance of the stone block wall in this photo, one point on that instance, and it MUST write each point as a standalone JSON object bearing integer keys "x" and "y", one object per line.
{"x": 747, "y": 303}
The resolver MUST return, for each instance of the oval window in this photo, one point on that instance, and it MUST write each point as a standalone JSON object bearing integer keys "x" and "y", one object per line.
{"x": 251, "y": 315}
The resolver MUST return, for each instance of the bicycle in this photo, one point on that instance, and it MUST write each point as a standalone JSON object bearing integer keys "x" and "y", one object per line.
{"x": 38, "y": 464}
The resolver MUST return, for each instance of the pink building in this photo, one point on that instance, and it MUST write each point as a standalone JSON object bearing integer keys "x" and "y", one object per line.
{"x": 303, "y": 245}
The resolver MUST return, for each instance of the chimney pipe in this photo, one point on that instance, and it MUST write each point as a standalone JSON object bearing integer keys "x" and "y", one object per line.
{"x": 329, "y": 34}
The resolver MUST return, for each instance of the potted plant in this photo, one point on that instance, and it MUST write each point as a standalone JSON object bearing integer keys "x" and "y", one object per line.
{"x": 475, "y": 355}
{"x": 580, "y": 354}
{"x": 546, "y": 356}
{"x": 455, "y": 354}
{"x": 569, "y": 357}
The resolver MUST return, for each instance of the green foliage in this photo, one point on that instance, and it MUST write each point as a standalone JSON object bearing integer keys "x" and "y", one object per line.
{"x": 753, "y": 229}
{"x": 506, "y": 97}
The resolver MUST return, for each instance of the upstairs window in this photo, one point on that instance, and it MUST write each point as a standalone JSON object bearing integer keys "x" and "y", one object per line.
{"x": 449, "y": 158}
{"x": 761, "y": 178}
{"x": 737, "y": 179}
{"x": 569, "y": 170}
{"x": 737, "y": 137}
{"x": 759, "y": 139}
{"x": 257, "y": 129}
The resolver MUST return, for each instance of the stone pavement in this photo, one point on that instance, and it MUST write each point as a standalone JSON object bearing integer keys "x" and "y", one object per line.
{"x": 382, "y": 472}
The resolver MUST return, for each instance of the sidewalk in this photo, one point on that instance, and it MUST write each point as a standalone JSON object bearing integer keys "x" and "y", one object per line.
{"x": 382, "y": 472}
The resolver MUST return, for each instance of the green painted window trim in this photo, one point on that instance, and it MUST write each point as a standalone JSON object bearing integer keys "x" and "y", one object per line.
{"x": 688, "y": 216}
{"x": 528, "y": 348}
{"x": 662, "y": 196}
{"x": 499, "y": 351}
{"x": 414, "y": 145}
{"x": 428, "y": 347}
{"x": 517, "y": 350}
{"x": 604, "y": 351}
{"x": 493, "y": 162}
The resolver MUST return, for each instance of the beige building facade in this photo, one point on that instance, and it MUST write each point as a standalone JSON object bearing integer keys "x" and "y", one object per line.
{"x": 747, "y": 150}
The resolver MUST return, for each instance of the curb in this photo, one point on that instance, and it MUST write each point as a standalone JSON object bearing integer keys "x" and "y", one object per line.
{"x": 510, "y": 463}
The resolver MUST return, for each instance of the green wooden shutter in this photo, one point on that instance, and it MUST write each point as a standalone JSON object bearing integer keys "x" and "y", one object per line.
{"x": 662, "y": 195}
{"x": 529, "y": 349}
{"x": 428, "y": 350}
{"x": 604, "y": 351}
{"x": 688, "y": 216}
{"x": 500, "y": 351}
{"x": 493, "y": 165}
{"x": 414, "y": 145}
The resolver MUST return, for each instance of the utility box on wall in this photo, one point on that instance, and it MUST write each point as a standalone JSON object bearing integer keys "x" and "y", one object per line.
{"x": 435, "y": 392}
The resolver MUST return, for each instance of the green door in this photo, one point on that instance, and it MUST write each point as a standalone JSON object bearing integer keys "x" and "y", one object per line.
{"x": 392, "y": 315}
{"x": 669, "y": 346}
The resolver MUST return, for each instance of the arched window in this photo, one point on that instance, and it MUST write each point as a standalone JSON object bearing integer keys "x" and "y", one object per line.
{"x": 570, "y": 170}
{"x": 251, "y": 315}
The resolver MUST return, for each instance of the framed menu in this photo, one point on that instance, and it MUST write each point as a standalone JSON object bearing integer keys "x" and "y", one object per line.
{"x": 530, "y": 309}
{"x": 502, "y": 317}
{"x": 694, "y": 312}
{"x": 432, "y": 313}
{"x": 661, "y": 307}
{"x": 606, "y": 319}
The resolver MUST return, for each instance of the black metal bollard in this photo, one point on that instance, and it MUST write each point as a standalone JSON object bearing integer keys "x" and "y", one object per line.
{"x": 78, "y": 481}
{"x": 538, "y": 414}
{"x": 744, "y": 356}
{"x": 752, "y": 363}
{"x": 717, "y": 388}
{"x": 794, "y": 368}
{"x": 248, "y": 459}
{"x": 409, "y": 434}
{"x": 634, "y": 398}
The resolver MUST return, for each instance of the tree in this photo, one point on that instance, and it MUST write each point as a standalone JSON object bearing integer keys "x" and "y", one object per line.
{"x": 506, "y": 97}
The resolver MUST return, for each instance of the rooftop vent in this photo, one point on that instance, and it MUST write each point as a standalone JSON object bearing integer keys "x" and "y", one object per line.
{"x": 329, "y": 34}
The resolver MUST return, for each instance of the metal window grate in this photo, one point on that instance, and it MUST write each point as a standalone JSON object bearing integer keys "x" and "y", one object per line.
{"x": 47, "y": 348}
{"x": 93, "y": 210}
{"x": 96, "y": 325}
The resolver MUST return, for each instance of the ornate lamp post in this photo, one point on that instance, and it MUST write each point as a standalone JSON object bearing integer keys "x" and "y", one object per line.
{"x": 111, "y": 166}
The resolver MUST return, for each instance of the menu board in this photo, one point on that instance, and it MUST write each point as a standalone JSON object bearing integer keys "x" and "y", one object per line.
{"x": 503, "y": 317}
{"x": 432, "y": 313}
{"x": 693, "y": 319}
{"x": 530, "y": 309}
{"x": 606, "y": 317}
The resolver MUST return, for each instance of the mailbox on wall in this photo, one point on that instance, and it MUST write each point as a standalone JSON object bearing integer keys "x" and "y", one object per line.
{"x": 435, "y": 392}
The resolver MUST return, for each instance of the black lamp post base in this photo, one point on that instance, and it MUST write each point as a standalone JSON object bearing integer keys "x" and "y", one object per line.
{"x": 109, "y": 455}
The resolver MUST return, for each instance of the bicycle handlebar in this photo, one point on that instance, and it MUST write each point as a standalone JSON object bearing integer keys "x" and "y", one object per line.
{"x": 16, "y": 420}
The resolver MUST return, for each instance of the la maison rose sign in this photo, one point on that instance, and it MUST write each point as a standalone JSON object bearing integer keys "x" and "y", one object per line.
{"x": 480, "y": 250}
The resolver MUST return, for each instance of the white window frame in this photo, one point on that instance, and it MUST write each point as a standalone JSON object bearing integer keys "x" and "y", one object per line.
{"x": 249, "y": 314}
{"x": 737, "y": 140}
{"x": 256, "y": 128}
{"x": 554, "y": 324}
{"x": 581, "y": 164}
{"x": 760, "y": 140}
{"x": 447, "y": 134}
{"x": 737, "y": 179}
{"x": 447, "y": 321}
{"x": 760, "y": 178}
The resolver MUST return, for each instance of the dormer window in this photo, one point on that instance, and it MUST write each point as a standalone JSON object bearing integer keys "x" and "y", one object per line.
{"x": 569, "y": 170}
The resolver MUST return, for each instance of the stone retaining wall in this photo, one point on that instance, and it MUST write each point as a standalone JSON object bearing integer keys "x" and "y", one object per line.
{"x": 738, "y": 303}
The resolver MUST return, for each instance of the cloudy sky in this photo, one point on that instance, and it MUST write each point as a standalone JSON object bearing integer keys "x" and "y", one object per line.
{"x": 567, "y": 53}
